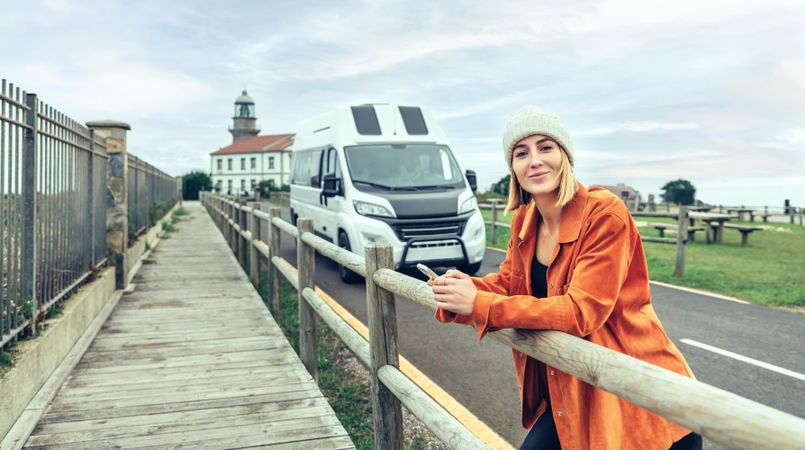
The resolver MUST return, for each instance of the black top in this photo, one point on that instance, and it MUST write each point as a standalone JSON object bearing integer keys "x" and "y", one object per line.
{"x": 539, "y": 278}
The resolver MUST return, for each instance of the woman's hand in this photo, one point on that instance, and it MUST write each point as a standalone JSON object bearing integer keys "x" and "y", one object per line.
{"x": 454, "y": 292}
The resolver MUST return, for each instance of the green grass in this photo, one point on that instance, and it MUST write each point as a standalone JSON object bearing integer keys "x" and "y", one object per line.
{"x": 6, "y": 360}
{"x": 168, "y": 227}
{"x": 177, "y": 215}
{"x": 769, "y": 271}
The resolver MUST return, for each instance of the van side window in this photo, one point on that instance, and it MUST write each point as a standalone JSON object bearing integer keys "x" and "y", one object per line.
{"x": 332, "y": 163}
{"x": 301, "y": 168}
{"x": 316, "y": 163}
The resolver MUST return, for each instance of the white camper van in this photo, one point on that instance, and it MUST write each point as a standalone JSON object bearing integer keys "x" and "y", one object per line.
{"x": 385, "y": 173}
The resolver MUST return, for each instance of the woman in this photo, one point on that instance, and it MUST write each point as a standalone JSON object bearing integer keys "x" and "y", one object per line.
{"x": 575, "y": 263}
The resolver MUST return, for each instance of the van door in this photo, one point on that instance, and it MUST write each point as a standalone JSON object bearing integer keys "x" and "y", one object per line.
{"x": 331, "y": 206}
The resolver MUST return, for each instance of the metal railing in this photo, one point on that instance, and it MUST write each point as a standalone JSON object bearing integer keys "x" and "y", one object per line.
{"x": 52, "y": 179}
{"x": 149, "y": 190}
{"x": 723, "y": 417}
{"x": 53, "y": 175}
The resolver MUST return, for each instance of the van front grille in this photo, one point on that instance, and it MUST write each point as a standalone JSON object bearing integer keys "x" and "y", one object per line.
{"x": 432, "y": 230}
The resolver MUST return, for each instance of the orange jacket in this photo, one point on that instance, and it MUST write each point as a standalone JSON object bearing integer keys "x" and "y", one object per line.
{"x": 597, "y": 289}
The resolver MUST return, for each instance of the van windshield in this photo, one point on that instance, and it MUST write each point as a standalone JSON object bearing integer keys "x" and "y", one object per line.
{"x": 403, "y": 166}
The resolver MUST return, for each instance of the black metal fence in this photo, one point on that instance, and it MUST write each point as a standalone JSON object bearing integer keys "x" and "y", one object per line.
{"x": 150, "y": 191}
{"x": 53, "y": 175}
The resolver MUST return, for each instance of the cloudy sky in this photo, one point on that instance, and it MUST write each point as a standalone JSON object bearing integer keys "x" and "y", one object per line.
{"x": 708, "y": 90}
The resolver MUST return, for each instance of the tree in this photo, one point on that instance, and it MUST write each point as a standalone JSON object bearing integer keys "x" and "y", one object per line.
{"x": 266, "y": 186}
{"x": 679, "y": 191}
{"x": 502, "y": 186}
{"x": 193, "y": 182}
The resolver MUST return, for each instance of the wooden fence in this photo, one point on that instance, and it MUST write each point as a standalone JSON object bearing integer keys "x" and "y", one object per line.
{"x": 726, "y": 418}
{"x": 680, "y": 241}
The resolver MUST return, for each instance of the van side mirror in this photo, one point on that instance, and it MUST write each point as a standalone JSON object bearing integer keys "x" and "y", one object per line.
{"x": 331, "y": 185}
{"x": 472, "y": 180}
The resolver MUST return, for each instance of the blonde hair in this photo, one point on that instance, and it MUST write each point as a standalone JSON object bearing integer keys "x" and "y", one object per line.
{"x": 567, "y": 187}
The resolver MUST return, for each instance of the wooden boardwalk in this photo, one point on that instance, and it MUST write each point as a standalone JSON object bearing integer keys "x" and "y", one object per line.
{"x": 190, "y": 359}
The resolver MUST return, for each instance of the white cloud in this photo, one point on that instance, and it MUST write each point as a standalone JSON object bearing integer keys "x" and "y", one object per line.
{"x": 794, "y": 136}
{"x": 636, "y": 127}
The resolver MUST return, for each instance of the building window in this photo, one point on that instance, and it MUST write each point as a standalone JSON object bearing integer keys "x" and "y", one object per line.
{"x": 254, "y": 184}
{"x": 229, "y": 164}
{"x": 270, "y": 163}
{"x": 220, "y": 164}
{"x": 229, "y": 185}
{"x": 254, "y": 163}
{"x": 242, "y": 185}
{"x": 242, "y": 163}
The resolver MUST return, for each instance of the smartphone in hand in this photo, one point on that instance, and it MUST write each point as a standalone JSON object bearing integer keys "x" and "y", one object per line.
{"x": 427, "y": 271}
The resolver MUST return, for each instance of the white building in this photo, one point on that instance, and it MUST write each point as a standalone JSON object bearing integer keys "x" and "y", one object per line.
{"x": 239, "y": 168}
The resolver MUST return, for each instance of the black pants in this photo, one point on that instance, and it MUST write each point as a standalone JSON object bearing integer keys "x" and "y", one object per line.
{"x": 543, "y": 436}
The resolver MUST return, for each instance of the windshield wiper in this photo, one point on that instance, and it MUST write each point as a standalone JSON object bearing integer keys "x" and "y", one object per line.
{"x": 437, "y": 186}
{"x": 377, "y": 185}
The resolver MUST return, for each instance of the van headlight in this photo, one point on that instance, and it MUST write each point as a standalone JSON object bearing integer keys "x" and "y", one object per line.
{"x": 468, "y": 205}
{"x": 370, "y": 209}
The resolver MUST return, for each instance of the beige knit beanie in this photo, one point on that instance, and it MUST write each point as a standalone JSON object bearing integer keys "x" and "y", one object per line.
{"x": 530, "y": 120}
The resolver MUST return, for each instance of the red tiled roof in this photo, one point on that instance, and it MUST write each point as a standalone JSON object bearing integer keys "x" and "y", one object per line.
{"x": 257, "y": 144}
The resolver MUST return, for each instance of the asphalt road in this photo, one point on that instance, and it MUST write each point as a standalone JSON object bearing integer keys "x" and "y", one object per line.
{"x": 481, "y": 376}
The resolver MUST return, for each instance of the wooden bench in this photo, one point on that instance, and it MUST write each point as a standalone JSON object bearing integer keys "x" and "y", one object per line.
{"x": 745, "y": 230}
{"x": 661, "y": 227}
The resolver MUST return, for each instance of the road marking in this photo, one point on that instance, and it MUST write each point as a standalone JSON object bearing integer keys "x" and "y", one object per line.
{"x": 700, "y": 292}
{"x": 745, "y": 359}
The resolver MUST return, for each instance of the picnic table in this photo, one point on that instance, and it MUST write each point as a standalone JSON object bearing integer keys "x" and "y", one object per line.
{"x": 661, "y": 227}
{"x": 741, "y": 212}
{"x": 745, "y": 230}
{"x": 714, "y": 223}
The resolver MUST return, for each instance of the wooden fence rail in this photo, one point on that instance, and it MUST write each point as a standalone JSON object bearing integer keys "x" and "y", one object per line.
{"x": 726, "y": 418}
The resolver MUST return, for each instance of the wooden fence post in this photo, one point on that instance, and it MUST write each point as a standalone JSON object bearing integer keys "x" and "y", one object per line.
{"x": 254, "y": 255}
{"x": 382, "y": 321}
{"x": 306, "y": 263}
{"x": 273, "y": 275}
{"x": 232, "y": 214}
{"x": 681, "y": 237}
{"x": 494, "y": 221}
{"x": 243, "y": 243}
{"x": 225, "y": 223}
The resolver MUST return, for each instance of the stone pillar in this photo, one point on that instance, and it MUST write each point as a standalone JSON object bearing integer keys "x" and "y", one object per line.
{"x": 180, "y": 190}
{"x": 117, "y": 177}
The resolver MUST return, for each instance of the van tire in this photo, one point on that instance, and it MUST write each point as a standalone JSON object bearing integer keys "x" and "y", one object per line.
{"x": 471, "y": 269}
{"x": 346, "y": 275}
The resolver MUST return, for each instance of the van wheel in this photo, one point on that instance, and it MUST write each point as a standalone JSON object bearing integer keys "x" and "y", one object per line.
{"x": 346, "y": 275}
{"x": 471, "y": 269}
